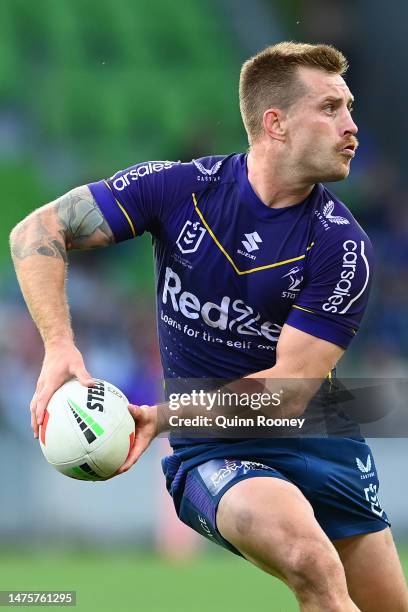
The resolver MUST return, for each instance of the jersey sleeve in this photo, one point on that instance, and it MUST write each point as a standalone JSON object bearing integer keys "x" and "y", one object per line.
{"x": 336, "y": 290}
{"x": 132, "y": 200}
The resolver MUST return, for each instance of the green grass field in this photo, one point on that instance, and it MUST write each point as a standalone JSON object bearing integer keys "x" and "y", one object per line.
{"x": 216, "y": 582}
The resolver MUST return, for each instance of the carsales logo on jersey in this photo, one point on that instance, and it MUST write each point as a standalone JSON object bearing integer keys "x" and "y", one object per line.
{"x": 121, "y": 182}
{"x": 342, "y": 290}
{"x": 214, "y": 315}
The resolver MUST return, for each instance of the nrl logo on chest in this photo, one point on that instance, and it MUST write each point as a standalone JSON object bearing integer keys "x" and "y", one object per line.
{"x": 190, "y": 237}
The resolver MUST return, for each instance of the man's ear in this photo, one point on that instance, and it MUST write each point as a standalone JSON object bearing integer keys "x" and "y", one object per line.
{"x": 274, "y": 123}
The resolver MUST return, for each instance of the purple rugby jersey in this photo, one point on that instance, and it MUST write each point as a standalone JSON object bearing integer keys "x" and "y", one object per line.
{"x": 230, "y": 271}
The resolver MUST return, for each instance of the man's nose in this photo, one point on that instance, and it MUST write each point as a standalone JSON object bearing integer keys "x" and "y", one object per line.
{"x": 350, "y": 126}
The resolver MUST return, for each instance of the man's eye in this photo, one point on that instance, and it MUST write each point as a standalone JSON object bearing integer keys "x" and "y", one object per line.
{"x": 351, "y": 109}
{"x": 329, "y": 108}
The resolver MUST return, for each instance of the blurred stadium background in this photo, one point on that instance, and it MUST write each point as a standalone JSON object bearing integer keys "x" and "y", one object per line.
{"x": 88, "y": 87}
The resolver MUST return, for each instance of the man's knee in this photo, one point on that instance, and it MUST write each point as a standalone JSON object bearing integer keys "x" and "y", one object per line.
{"x": 313, "y": 566}
{"x": 307, "y": 562}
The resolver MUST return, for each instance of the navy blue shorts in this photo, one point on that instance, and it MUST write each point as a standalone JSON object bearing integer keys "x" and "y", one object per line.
{"x": 337, "y": 476}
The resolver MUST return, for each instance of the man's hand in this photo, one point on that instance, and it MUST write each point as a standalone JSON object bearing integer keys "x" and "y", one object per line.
{"x": 145, "y": 431}
{"x": 62, "y": 361}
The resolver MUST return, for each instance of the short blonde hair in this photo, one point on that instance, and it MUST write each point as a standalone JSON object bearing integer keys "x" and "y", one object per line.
{"x": 269, "y": 78}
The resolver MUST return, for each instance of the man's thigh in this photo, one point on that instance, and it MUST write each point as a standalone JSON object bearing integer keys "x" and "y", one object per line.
{"x": 272, "y": 524}
{"x": 253, "y": 510}
{"x": 374, "y": 575}
{"x": 208, "y": 483}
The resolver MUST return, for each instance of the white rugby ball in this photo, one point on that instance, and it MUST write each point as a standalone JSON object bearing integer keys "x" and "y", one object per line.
{"x": 87, "y": 432}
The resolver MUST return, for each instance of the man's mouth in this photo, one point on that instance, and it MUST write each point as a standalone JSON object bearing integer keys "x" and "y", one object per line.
{"x": 349, "y": 149}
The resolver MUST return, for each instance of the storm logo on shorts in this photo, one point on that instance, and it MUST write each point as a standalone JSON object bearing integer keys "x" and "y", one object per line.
{"x": 371, "y": 496}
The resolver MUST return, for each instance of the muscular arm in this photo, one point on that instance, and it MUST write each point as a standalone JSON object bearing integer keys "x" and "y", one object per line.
{"x": 302, "y": 362}
{"x": 39, "y": 246}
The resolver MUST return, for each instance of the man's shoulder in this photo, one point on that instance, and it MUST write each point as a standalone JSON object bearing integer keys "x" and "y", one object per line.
{"x": 193, "y": 175}
{"x": 214, "y": 166}
{"x": 333, "y": 218}
{"x": 206, "y": 172}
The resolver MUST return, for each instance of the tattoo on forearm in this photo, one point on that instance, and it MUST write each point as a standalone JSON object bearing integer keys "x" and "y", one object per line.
{"x": 31, "y": 239}
{"x": 78, "y": 222}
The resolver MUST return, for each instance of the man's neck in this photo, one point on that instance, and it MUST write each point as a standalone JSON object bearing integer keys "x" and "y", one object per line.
{"x": 275, "y": 184}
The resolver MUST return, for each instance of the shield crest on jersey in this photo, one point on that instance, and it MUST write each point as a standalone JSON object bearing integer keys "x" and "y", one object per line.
{"x": 190, "y": 237}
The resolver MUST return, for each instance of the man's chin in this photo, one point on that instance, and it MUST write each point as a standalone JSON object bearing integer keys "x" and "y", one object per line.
{"x": 337, "y": 175}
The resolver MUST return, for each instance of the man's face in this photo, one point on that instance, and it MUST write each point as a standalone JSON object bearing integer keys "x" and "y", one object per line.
{"x": 320, "y": 130}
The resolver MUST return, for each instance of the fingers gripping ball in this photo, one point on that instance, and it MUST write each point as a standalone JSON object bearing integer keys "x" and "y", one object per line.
{"x": 87, "y": 433}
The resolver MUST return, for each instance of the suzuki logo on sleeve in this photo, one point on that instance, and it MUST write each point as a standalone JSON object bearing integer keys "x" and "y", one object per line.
{"x": 251, "y": 241}
{"x": 190, "y": 237}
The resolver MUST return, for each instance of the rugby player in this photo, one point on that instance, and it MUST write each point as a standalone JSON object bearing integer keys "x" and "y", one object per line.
{"x": 261, "y": 271}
